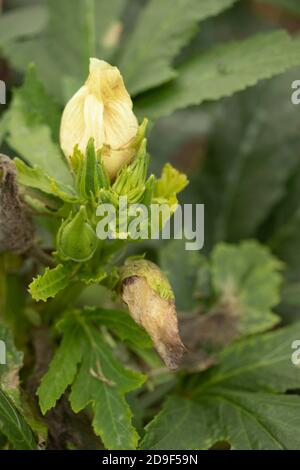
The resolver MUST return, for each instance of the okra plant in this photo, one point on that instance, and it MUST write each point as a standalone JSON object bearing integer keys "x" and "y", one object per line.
{"x": 111, "y": 338}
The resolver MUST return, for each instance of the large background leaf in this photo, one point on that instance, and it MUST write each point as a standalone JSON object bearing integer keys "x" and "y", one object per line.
{"x": 222, "y": 71}
{"x": 233, "y": 401}
{"x": 145, "y": 63}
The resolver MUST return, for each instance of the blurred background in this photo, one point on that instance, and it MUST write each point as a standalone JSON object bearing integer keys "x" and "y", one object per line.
{"x": 241, "y": 154}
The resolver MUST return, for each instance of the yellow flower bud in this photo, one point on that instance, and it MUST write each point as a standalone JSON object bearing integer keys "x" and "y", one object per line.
{"x": 101, "y": 109}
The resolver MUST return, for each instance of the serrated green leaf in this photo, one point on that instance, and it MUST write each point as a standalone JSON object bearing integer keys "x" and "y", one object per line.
{"x": 29, "y": 131}
{"x": 63, "y": 367}
{"x": 246, "y": 421}
{"x": 230, "y": 402}
{"x": 147, "y": 60}
{"x": 14, "y": 426}
{"x": 103, "y": 381}
{"x": 259, "y": 363}
{"x": 222, "y": 71}
{"x": 254, "y": 173}
{"x": 247, "y": 280}
{"x": 51, "y": 282}
{"x": 92, "y": 276}
{"x": 121, "y": 324}
{"x": 36, "y": 178}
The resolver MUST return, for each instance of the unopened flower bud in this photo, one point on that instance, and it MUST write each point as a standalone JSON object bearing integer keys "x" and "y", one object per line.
{"x": 150, "y": 299}
{"x": 101, "y": 109}
{"x": 76, "y": 239}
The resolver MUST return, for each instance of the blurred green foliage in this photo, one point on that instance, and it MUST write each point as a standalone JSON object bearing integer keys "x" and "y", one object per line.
{"x": 188, "y": 65}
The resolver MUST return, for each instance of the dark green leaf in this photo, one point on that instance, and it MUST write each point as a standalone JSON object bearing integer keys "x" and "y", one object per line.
{"x": 14, "y": 426}
{"x": 233, "y": 401}
{"x": 148, "y": 57}
{"x": 222, "y": 71}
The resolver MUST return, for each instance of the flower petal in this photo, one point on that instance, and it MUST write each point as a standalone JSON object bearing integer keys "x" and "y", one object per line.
{"x": 72, "y": 124}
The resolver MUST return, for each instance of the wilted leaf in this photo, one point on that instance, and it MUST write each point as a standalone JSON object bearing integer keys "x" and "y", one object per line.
{"x": 247, "y": 281}
{"x": 16, "y": 229}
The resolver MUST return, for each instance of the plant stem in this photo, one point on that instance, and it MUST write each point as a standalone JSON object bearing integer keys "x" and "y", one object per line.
{"x": 64, "y": 300}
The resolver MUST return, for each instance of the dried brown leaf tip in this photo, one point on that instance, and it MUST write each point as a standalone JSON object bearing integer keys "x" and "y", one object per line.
{"x": 16, "y": 231}
{"x": 151, "y": 303}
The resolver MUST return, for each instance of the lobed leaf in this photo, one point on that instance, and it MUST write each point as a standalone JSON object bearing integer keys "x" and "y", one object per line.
{"x": 102, "y": 381}
{"x": 63, "y": 367}
{"x": 222, "y": 71}
{"x": 162, "y": 29}
{"x": 240, "y": 401}
{"x": 247, "y": 280}
{"x": 121, "y": 324}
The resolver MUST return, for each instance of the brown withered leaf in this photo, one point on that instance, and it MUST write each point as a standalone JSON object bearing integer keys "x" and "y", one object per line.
{"x": 157, "y": 316}
{"x": 213, "y": 330}
{"x": 206, "y": 334}
{"x": 16, "y": 230}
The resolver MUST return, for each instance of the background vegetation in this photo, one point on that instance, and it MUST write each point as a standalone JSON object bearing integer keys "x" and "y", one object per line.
{"x": 214, "y": 78}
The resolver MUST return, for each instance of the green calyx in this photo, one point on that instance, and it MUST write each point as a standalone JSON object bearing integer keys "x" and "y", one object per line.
{"x": 131, "y": 180}
{"x": 91, "y": 175}
{"x": 155, "y": 278}
{"x": 76, "y": 239}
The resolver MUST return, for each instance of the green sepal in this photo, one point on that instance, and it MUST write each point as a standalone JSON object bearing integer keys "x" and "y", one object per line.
{"x": 88, "y": 173}
{"x": 149, "y": 191}
{"x": 104, "y": 176}
{"x": 141, "y": 134}
{"x": 107, "y": 196}
{"x": 131, "y": 179}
